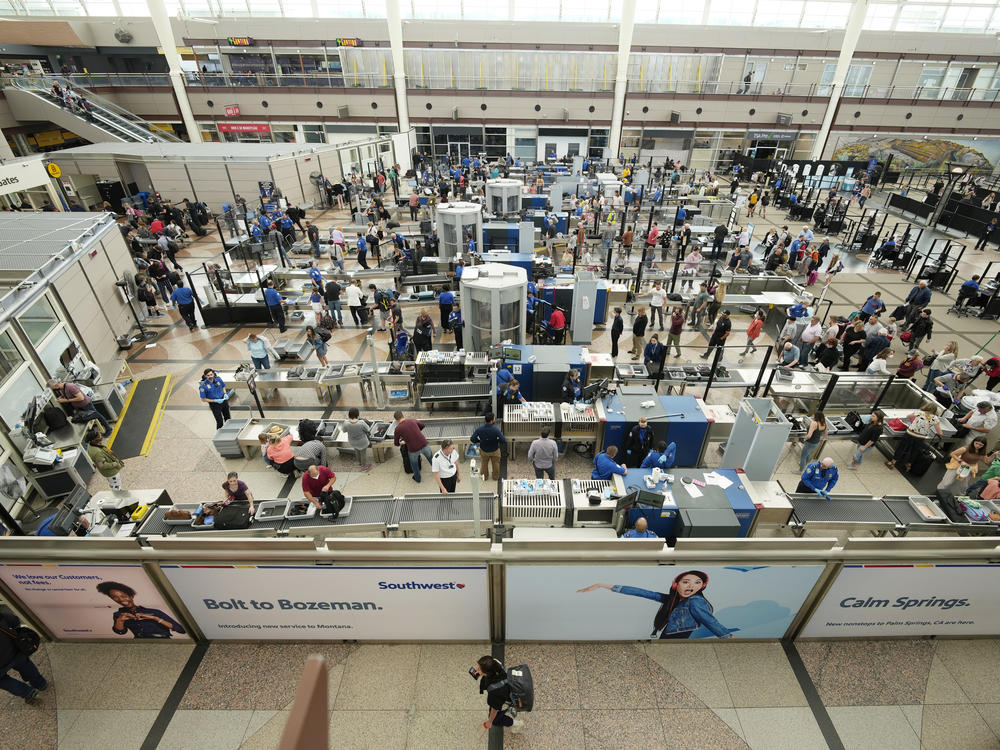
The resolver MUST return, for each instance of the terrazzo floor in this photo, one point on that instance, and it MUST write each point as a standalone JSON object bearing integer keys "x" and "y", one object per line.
{"x": 858, "y": 694}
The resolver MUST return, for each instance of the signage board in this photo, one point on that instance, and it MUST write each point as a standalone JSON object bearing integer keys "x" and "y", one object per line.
{"x": 18, "y": 175}
{"x": 240, "y": 41}
{"x": 232, "y": 110}
{"x": 347, "y": 42}
{"x": 772, "y": 135}
{"x": 277, "y": 602}
{"x": 54, "y": 170}
{"x": 244, "y": 127}
{"x": 636, "y": 602}
{"x": 94, "y": 601}
{"x": 909, "y": 600}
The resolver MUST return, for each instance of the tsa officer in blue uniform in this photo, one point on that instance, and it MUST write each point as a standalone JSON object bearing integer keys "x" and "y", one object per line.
{"x": 212, "y": 391}
{"x": 273, "y": 301}
{"x": 819, "y": 477}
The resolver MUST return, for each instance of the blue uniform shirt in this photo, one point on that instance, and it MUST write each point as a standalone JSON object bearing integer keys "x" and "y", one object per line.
{"x": 633, "y": 534}
{"x": 271, "y": 297}
{"x": 471, "y": 246}
{"x": 458, "y": 271}
{"x": 605, "y": 466}
{"x": 798, "y": 310}
{"x": 265, "y": 222}
{"x": 182, "y": 296}
{"x": 316, "y": 276}
{"x": 286, "y": 222}
{"x": 362, "y": 246}
{"x": 446, "y": 298}
{"x": 213, "y": 389}
{"x": 256, "y": 231}
{"x": 818, "y": 479}
{"x": 971, "y": 287}
{"x": 455, "y": 319}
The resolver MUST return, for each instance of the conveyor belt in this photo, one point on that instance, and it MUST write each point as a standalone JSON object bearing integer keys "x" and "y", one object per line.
{"x": 842, "y": 509}
{"x": 370, "y": 509}
{"x": 451, "y": 428}
{"x": 441, "y": 392}
{"x": 435, "y": 508}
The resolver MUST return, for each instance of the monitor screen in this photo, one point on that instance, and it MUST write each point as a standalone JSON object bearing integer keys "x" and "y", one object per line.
{"x": 511, "y": 353}
{"x": 650, "y": 499}
{"x": 627, "y": 501}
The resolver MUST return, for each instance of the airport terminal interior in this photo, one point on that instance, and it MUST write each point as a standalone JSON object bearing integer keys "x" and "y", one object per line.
{"x": 409, "y": 369}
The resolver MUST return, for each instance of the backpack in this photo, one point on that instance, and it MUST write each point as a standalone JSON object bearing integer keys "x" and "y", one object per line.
{"x": 522, "y": 688}
{"x": 233, "y": 516}
{"x": 55, "y": 417}
{"x": 973, "y": 510}
{"x": 326, "y": 322}
{"x": 333, "y": 502}
{"x": 25, "y": 639}
{"x": 323, "y": 333}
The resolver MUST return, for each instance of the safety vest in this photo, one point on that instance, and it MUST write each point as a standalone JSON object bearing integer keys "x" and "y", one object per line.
{"x": 612, "y": 218}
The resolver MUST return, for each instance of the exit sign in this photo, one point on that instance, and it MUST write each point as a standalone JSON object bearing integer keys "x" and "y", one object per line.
{"x": 240, "y": 41}
{"x": 232, "y": 110}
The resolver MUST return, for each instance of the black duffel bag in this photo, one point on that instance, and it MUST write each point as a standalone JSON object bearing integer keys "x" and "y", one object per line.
{"x": 233, "y": 516}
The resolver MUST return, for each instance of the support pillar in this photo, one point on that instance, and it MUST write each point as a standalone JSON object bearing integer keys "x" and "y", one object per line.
{"x": 395, "y": 24}
{"x": 852, "y": 33}
{"x": 165, "y": 35}
{"x": 621, "y": 78}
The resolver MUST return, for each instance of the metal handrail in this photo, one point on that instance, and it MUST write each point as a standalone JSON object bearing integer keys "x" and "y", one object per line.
{"x": 109, "y": 114}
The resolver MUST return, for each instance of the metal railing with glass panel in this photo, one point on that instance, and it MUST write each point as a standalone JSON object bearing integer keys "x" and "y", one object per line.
{"x": 106, "y": 115}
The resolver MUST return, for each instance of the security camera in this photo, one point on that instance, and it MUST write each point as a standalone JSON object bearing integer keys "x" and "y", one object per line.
{"x": 628, "y": 112}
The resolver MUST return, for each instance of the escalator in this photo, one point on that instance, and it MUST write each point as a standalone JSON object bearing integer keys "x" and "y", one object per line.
{"x": 32, "y": 99}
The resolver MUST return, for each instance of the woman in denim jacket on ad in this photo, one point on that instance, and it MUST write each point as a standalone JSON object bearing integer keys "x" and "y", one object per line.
{"x": 682, "y": 610}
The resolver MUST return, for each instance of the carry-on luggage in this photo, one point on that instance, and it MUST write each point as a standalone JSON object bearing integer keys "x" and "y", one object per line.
{"x": 921, "y": 462}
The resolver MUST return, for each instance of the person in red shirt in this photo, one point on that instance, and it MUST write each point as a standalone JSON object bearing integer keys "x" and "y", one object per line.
{"x": 910, "y": 365}
{"x": 156, "y": 227}
{"x": 753, "y": 332}
{"x": 992, "y": 369}
{"x": 316, "y": 481}
{"x": 409, "y": 432}
{"x": 557, "y": 324}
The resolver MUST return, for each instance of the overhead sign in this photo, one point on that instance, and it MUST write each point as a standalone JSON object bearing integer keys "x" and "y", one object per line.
{"x": 232, "y": 110}
{"x": 635, "y": 602}
{"x": 909, "y": 600}
{"x": 22, "y": 175}
{"x": 94, "y": 601}
{"x": 244, "y": 127}
{"x": 333, "y": 603}
{"x": 240, "y": 41}
{"x": 53, "y": 170}
{"x": 348, "y": 42}
{"x": 772, "y": 135}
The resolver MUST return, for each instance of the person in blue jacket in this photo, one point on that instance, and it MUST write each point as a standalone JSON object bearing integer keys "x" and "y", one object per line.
{"x": 682, "y": 610}
{"x": 819, "y": 477}
{"x": 445, "y": 301}
{"x": 605, "y": 466}
{"x": 456, "y": 324}
{"x": 212, "y": 390}
{"x": 662, "y": 456}
{"x": 273, "y": 301}
{"x": 641, "y": 530}
{"x": 316, "y": 275}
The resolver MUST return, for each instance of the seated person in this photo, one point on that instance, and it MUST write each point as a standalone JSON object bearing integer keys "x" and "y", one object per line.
{"x": 279, "y": 453}
{"x": 605, "y": 466}
{"x": 641, "y": 531}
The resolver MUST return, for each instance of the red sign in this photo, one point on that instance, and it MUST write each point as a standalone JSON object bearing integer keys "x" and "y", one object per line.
{"x": 232, "y": 110}
{"x": 244, "y": 127}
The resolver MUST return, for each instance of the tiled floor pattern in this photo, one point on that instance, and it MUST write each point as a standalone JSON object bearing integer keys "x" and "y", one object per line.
{"x": 890, "y": 695}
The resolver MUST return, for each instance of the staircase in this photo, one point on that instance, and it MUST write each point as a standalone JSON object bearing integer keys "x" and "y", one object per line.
{"x": 31, "y": 99}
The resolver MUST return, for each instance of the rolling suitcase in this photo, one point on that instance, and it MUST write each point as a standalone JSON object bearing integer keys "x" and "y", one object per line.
{"x": 407, "y": 467}
{"x": 921, "y": 462}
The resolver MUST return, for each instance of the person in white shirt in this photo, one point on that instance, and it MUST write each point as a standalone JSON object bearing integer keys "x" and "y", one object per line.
{"x": 808, "y": 338}
{"x": 658, "y": 298}
{"x": 444, "y": 464}
{"x": 353, "y": 294}
{"x": 980, "y": 420}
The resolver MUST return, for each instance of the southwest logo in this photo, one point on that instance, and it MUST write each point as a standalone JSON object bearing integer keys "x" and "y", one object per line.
{"x": 410, "y": 585}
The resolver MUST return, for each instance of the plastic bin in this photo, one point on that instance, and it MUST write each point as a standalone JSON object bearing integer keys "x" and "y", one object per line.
{"x": 269, "y": 510}
{"x": 192, "y": 507}
{"x": 295, "y": 505}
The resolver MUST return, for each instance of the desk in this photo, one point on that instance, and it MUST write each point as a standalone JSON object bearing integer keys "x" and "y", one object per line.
{"x": 277, "y": 378}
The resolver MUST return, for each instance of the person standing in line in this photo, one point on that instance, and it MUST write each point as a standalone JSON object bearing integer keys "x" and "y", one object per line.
{"x": 446, "y": 299}
{"x": 940, "y": 364}
{"x": 639, "y": 333}
{"x": 987, "y": 234}
{"x": 653, "y": 356}
{"x": 316, "y": 340}
{"x": 312, "y": 233}
{"x": 212, "y": 390}
{"x": 868, "y": 437}
{"x": 657, "y": 299}
{"x": 414, "y": 204}
{"x": 814, "y": 436}
{"x": 489, "y": 438}
{"x": 358, "y": 437}
{"x": 260, "y": 350}
{"x": 754, "y": 331}
{"x": 674, "y": 333}
{"x": 723, "y": 327}
{"x": 182, "y": 298}
{"x": 718, "y": 238}
{"x": 921, "y": 329}
{"x": 809, "y": 337}
{"x": 617, "y": 327}
{"x": 362, "y": 245}
{"x": 107, "y": 463}
{"x": 274, "y": 301}
{"x": 543, "y": 454}
{"x": 699, "y": 306}
{"x": 12, "y": 658}
{"x": 444, "y": 465}
{"x": 331, "y": 294}
{"x": 456, "y": 324}
{"x": 410, "y": 433}
{"x": 353, "y": 293}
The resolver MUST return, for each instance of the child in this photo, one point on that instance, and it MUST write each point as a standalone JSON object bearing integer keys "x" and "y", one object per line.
{"x": 681, "y": 611}
{"x": 316, "y": 302}
{"x": 455, "y": 323}
{"x": 892, "y": 329}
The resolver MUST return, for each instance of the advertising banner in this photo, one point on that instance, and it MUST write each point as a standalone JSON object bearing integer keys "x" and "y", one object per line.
{"x": 909, "y": 600}
{"x": 333, "y": 603}
{"x": 93, "y": 601}
{"x": 244, "y": 127}
{"x": 636, "y": 602}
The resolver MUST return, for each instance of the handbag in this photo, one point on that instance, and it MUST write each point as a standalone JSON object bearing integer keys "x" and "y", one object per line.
{"x": 26, "y": 640}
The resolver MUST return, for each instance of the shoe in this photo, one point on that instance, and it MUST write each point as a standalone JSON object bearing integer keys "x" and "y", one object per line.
{"x": 517, "y": 726}
{"x": 364, "y": 467}
{"x": 43, "y": 688}
{"x": 704, "y": 356}
{"x": 31, "y": 698}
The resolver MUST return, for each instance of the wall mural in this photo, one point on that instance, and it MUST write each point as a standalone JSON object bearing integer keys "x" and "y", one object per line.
{"x": 918, "y": 153}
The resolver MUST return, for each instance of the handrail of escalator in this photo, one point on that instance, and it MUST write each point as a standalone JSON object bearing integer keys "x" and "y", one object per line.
{"x": 124, "y": 121}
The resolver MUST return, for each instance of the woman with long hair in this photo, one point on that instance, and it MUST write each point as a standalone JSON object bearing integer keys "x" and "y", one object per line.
{"x": 682, "y": 610}
{"x": 814, "y": 436}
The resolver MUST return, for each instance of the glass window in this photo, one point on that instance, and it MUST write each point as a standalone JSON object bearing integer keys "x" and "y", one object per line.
{"x": 345, "y": 9}
{"x": 779, "y": 13}
{"x": 68, "y": 8}
{"x": 532, "y": 10}
{"x": 100, "y": 8}
{"x": 447, "y": 9}
{"x": 730, "y": 12}
{"x": 929, "y": 83}
{"x": 880, "y": 16}
{"x": 133, "y": 7}
{"x": 646, "y": 11}
{"x": 38, "y": 320}
{"x": 479, "y": 11}
{"x": 854, "y": 83}
{"x": 375, "y": 8}
{"x": 920, "y": 18}
{"x": 297, "y": 8}
{"x": 822, "y": 15}
{"x": 10, "y": 357}
{"x": 264, "y": 7}
{"x": 53, "y": 349}
{"x": 959, "y": 18}
{"x": 586, "y": 10}
{"x": 233, "y": 7}
{"x": 689, "y": 12}
{"x": 17, "y": 394}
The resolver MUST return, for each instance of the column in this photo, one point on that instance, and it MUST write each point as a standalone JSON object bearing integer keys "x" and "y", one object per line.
{"x": 6, "y": 152}
{"x": 165, "y": 35}
{"x": 621, "y": 78}
{"x": 855, "y": 21}
{"x": 395, "y": 24}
